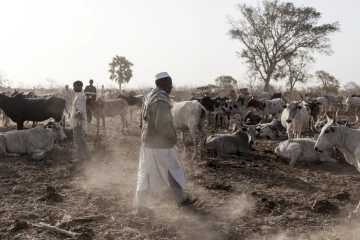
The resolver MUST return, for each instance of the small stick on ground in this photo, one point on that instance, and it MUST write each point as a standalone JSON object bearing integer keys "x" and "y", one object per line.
{"x": 55, "y": 229}
{"x": 83, "y": 219}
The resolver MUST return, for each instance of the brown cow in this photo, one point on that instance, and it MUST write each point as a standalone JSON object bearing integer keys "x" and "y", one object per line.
{"x": 102, "y": 109}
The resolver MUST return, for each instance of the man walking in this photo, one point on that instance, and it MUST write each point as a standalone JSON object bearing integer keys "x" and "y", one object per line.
{"x": 67, "y": 94}
{"x": 90, "y": 89}
{"x": 158, "y": 164}
{"x": 78, "y": 121}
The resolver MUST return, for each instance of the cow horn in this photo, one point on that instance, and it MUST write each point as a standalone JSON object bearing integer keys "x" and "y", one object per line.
{"x": 352, "y": 124}
{"x": 282, "y": 97}
{"x": 336, "y": 116}
{"x": 302, "y": 98}
{"x": 314, "y": 128}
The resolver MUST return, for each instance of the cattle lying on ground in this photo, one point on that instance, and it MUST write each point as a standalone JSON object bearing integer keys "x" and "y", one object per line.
{"x": 101, "y": 109}
{"x": 273, "y": 130}
{"x": 294, "y": 117}
{"x": 230, "y": 145}
{"x": 303, "y": 149}
{"x": 133, "y": 102}
{"x": 345, "y": 139}
{"x": 267, "y": 107}
{"x": 20, "y": 109}
{"x": 190, "y": 116}
{"x": 38, "y": 140}
{"x": 352, "y": 101}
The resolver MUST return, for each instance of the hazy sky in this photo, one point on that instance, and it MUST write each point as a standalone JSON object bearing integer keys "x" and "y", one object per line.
{"x": 70, "y": 40}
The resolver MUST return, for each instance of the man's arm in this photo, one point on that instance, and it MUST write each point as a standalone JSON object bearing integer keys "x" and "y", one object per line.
{"x": 164, "y": 123}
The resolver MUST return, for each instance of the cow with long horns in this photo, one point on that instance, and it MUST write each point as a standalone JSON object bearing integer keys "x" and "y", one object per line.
{"x": 343, "y": 138}
{"x": 294, "y": 117}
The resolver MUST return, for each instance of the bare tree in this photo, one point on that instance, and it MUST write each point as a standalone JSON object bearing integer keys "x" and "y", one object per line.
{"x": 296, "y": 69}
{"x": 52, "y": 84}
{"x": 252, "y": 81}
{"x": 274, "y": 31}
{"x": 3, "y": 79}
{"x": 351, "y": 88}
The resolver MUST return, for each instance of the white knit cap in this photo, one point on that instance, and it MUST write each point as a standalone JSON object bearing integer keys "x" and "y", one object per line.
{"x": 161, "y": 75}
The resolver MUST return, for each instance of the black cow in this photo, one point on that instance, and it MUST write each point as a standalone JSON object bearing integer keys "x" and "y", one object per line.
{"x": 20, "y": 109}
{"x": 251, "y": 119}
{"x": 276, "y": 95}
{"x": 314, "y": 110}
{"x": 355, "y": 95}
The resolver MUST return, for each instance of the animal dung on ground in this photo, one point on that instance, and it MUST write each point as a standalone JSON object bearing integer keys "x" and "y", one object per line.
{"x": 325, "y": 207}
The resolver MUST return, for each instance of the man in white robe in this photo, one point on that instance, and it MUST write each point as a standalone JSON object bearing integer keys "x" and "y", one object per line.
{"x": 78, "y": 122}
{"x": 158, "y": 164}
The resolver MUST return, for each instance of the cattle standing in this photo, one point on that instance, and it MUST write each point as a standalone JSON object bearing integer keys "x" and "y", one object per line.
{"x": 262, "y": 95}
{"x": 38, "y": 140}
{"x": 20, "y": 109}
{"x": 345, "y": 139}
{"x": 294, "y": 117}
{"x": 303, "y": 149}
{"x": 101, "y": 109}
{"x": 190, "y": 115}
{"x": 352, "y": 101}
{"x": 313, "y": 94}
{"x": 314, "y": 110}
{"x": 266, "y": 107}
{"x": 324, "y": 102}
{"x": 276, "y": 95}
{"x": 132, "y": 102}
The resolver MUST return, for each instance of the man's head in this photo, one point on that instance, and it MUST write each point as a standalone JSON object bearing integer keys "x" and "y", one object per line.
{"x": 78, "y": 86}
{"x": 91, "y": 82}
{"x": 66, "y": 87}
{"x": 164, "y": 81}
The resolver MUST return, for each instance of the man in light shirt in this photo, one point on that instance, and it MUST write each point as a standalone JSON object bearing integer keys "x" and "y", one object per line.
{"x": 67, "y": 94}
{"x": 78, "y": 122}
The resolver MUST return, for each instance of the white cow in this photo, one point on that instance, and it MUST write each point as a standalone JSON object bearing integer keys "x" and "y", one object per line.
{"x": 303, "y": 149}
{"x": 190, "y": 115}
{"x": 352, "y": 101}
{"x": 345, "y": 139}
{"x": 294, "y": 117}
{"x": 34, "y": 141}
{"x": 324, "y": 102}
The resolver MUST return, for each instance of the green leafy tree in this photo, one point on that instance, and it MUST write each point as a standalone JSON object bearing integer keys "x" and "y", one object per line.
{"x": 329, "y": 84}
{"x": 120, "y": 70}
{"x": 225, "y": 81}
{"x": 296, "y": 69}
{"x": 274, "y": 31}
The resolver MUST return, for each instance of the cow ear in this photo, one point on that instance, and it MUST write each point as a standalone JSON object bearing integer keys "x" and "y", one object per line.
{"x": 333, "y": 128}
{"x": 283, "y": 106}
{"x": 299, "y": 107}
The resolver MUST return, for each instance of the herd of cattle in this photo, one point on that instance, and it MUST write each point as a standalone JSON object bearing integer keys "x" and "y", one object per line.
{"x": 261, "y": 116}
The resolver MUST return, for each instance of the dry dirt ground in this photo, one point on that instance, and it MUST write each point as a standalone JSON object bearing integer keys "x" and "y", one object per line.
{"x": 253, "y": 197}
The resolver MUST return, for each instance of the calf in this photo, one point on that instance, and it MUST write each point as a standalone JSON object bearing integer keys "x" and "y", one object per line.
{"x": 273, "y": 130}
{"x": 190, "y": 116}
{"x": 294, "y": 117}
{"x": 101, "y": 109}
{"x": 229, "y": 145}
{"x": 303, "y": 149}
{"x": 352, "y": 101}
{"x": 38, "y": 140}
{"x": 345, "y": 139}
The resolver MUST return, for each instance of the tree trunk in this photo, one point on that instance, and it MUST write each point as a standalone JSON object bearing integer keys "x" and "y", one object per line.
{"x": 291, "y": 88}
{"x": 267, "y": 84}
{"x": 119, "y": 86}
